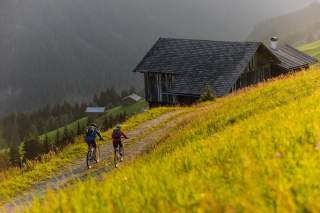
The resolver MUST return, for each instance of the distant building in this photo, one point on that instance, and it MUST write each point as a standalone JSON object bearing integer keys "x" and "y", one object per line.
{"x": 176, "y": 71}
{"x": 94, "y": 112}
{"x": 131, "y": 99}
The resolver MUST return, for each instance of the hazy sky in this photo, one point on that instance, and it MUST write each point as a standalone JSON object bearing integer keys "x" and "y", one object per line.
{"x": 236, "y": 15}
{"x": 232, "y": 19}
{"x": 105, "y": 39}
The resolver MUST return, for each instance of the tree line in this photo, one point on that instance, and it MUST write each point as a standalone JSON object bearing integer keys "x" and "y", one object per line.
{"x": 21, "y": 131}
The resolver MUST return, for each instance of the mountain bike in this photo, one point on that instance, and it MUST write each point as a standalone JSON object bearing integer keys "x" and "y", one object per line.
{"x": 118, "y": 154}
{"x": 93, "y": 156}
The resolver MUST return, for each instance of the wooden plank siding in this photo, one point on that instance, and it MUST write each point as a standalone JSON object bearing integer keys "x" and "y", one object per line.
{"x": 158, "y": 85}
{"x": 258, "y": 70}
{"x": 157, "y": 88}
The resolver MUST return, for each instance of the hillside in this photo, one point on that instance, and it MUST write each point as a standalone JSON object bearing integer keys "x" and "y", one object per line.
{"x": 295, "y": 28}
{"x": 312, "y": 49}
{"x": 209, "y": 155}
{"x": 68, "y": 165}
{"x": 51, "y": 51}
{"x": 129, "y": 110}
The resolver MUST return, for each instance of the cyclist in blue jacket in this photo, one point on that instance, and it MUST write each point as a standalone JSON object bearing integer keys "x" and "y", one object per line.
{"x": 91, "y": 134}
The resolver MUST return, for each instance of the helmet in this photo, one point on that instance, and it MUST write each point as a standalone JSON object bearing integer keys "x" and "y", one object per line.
{"x": 93, "y": 124}
{"x": 118, "y": 126}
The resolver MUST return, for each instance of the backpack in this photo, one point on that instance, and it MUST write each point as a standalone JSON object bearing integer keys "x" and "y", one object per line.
{"x": 90, "y": 131}
{"x": 117, "y": 134}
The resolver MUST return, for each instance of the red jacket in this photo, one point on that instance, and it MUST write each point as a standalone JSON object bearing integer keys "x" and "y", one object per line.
{"x": 116, "y": 138}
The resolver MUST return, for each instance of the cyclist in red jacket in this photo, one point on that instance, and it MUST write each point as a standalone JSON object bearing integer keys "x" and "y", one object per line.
{"x": 117, "y": 134}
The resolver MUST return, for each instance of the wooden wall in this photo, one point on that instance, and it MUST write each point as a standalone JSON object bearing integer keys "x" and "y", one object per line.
{"x": 258, "y": 70}
{"x": 157, "y": 88}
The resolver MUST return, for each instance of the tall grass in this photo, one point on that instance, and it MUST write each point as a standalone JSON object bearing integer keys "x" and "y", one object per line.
{"x": 14, "y": 180}
{"x": 256, "y": 151}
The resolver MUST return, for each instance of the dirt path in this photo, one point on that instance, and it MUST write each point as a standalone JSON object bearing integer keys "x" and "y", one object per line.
{"x": 138, "y": 144}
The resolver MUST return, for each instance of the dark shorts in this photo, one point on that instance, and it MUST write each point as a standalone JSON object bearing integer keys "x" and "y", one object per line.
{"x": 117, "y": 144}
{"x": 91, "y": 141}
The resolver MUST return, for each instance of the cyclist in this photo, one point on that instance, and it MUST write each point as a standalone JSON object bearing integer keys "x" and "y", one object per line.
{"x": 117, "y": 134}
{"x": 91, "y": 134}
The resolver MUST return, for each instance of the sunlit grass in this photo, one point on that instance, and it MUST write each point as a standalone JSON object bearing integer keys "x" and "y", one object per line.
{"x": 14, "y": 180}
{"x": 255, "y": 151}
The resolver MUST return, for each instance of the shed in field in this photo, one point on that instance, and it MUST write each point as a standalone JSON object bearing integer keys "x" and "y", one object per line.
{"x": 176, "y": 71}
{"x": 94, "y": 112}
{"x": 131, "y": 99}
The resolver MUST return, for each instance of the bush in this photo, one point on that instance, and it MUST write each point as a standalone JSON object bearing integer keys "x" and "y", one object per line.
{"x": 208, "y": 94}
{"x": 33, "y": 148}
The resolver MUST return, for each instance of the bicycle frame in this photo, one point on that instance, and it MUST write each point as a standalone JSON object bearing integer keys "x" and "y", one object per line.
{"x": 93, "y": 154}
{"x": 117, "y": 155}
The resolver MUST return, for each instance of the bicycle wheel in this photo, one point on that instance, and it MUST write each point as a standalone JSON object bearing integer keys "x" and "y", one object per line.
{"x": 97, "y": 154}
{"x": 90, "y": 156}
{"x": 116, "y": 157}
{"x": 88, "y": 159}
{"x": 121, "y": 153}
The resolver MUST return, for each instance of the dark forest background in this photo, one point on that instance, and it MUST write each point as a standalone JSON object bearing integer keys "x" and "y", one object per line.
{"x": 67, "y": 50}
{"x": 20, "y": 132}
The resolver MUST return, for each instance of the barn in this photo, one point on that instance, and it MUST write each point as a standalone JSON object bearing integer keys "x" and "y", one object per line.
{"x": 94, "y": 112}
{"x": 131, "y": 99}
{"x": 177, "y": 71}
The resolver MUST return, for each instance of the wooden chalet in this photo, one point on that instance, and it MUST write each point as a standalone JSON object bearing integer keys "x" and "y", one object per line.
{"x": 176, "y": 71}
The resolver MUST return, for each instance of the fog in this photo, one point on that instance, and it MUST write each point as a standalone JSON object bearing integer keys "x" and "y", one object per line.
{"x": 54, "y": 50}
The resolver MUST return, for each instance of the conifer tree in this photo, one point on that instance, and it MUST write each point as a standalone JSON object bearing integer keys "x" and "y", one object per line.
{"x": 32, "y": 147}
{"x": 14, "y": 134}
{"x": 72, "y": 136}
{"x": 57, "y": 139}
{"x": 46, "y": 145}
{"x": 14, "y": 155}
{"x": 79, "y": 129}
{"x": 132, "y": 90}
{"x": 208, "y": 94}
{"x": 66, "y": 136}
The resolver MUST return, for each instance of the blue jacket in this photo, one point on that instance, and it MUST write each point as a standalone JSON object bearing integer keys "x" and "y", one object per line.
{"x": 94, "y": 135}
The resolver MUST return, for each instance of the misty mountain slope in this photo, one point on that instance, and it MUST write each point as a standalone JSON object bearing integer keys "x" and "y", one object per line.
{"x": 298, "y": 27}
{"x": 52, "y": 56}
{"x": 52, "y": 51}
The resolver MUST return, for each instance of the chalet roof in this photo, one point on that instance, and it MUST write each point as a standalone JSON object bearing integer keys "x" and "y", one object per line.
{"x": 133, "y": 96}
{"x": 292, "y": 58}
{"x": 95, "y": 109}
{"x": 197, "y": 63}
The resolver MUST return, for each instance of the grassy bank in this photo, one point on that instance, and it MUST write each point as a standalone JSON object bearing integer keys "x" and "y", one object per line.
{"x": 14, "y": 181}
{"x": 255, "y": 151}
{"x": 312, "y": 49}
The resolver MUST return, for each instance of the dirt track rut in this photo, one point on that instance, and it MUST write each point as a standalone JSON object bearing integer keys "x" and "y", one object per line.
{"x": 142, "y": 139}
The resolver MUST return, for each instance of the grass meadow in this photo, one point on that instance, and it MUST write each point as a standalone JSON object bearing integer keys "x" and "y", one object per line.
{"x": 312, "y": 49}
{"x": 257, "y": 150}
